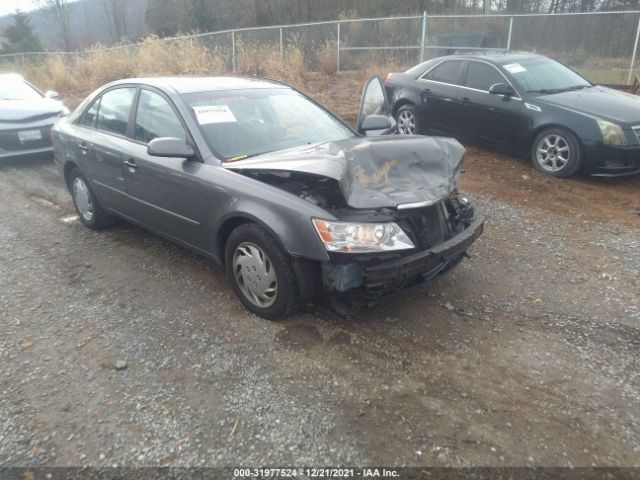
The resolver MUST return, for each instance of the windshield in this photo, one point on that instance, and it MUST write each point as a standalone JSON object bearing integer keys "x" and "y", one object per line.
{"x": 244, "y": 123}
{"x": 543, "y": 75}
{"x": 17, "y": 89}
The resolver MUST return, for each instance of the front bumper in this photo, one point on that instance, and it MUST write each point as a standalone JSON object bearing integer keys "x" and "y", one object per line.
{"x": 611, "y": 161}
{"x": 25, "y": 153}
{"x": 397, "y": 272}
{"x": 378, "y": 278}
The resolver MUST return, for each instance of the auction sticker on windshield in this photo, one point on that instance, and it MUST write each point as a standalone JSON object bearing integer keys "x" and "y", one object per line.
{"x": 29, "y": 135}
{"x": 515, "y": 68}
{"x": 207, "y": 114}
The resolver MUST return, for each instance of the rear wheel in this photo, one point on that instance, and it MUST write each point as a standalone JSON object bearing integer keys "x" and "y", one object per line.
{"x": 556, "y": 151}
{"x": 407, "y": 120}
{"x": 260, "y": 272}
{"x": 86, "y": 203}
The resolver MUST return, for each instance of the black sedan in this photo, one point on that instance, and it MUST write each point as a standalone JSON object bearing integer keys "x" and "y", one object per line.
{"x": 525, "y": 102}
{"x": 26, "y": 117}
{"x": 260, "y": 178}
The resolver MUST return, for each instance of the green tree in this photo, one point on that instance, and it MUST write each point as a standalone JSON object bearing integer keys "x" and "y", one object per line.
{"x": 20, "y": 37}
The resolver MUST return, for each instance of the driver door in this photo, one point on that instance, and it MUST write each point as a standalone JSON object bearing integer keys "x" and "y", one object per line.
{"x": 374, "y": 103}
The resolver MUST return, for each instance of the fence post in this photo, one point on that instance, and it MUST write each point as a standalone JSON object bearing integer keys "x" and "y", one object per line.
{"x": 233, "y": 51}
{"x": 635, "y": 50}
{"x": 281, "y": 45}
{"x": 338, "y": 48}
{"x": 424, "y": 35}
{"x": 510, "y": 30}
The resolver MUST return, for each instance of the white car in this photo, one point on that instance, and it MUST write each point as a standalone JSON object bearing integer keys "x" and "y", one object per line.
{"x": 26, "y": 117}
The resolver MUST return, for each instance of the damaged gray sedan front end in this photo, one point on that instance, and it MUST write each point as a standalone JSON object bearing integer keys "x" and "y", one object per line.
{"x": 393, "y": 216}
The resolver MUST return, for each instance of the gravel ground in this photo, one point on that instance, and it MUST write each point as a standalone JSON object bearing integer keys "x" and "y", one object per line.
{"x": 118, "y": 348}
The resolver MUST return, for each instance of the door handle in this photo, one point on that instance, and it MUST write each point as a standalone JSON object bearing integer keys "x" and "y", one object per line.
{"x": 131, "y": 164}
{"x": 83, "y": 148}
{"x": 427, "y": 91}
{"x": 466, "y": 100}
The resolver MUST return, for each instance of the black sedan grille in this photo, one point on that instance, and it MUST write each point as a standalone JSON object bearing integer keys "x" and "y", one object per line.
{"x": 10, "y": 141}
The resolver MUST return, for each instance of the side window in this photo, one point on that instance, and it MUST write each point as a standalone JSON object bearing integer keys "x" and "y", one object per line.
{"x": 113, "y": 114}
{"x": 482, "y": 76}
{"x": 447, "y": 72}
{"x": 155, "y": 118}
{"x": 91, "y": 114}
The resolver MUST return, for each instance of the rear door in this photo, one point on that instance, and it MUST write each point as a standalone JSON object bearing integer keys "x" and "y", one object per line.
{"x": 488, "y": 116}
{"x": 167, "y": 195}
{"x": 100, "y": 145}
{"x": 439, "y": 88}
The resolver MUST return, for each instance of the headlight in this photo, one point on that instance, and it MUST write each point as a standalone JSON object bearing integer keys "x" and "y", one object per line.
{"x": 361, "y": 237}
{"x": 612, "y": 134}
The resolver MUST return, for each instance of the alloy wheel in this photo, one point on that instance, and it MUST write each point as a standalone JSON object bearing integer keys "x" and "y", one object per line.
{"x": 407, "y": 122}
{"x": 553, "y": 152}
{"x": 255, "y": 274}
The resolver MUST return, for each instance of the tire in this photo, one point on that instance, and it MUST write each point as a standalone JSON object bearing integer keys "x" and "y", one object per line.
{"x": 255, "y": 262}
{"x": 87, "y": 206}
{"x": 407, "y": 120}
{"x": 556, "y": 151}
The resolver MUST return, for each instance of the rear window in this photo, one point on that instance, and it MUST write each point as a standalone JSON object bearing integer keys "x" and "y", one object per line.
{"x": 447, "y": 72}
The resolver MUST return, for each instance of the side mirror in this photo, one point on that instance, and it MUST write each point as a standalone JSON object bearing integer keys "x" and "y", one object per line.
{"x": 170, "y": 147}
{"x": 502, "y": 89}
{"x": 377, "y": 122}
{"x": 52, "y": 95}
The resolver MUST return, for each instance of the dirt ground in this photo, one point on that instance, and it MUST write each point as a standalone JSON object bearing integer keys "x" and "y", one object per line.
{"x": 119, "y": 348}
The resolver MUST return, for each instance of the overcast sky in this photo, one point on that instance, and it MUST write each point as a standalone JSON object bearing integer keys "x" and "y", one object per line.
{"x": 9, "y": 6}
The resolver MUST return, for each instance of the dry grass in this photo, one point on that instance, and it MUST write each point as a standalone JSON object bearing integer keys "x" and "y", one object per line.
{"x": 77, "y": 77}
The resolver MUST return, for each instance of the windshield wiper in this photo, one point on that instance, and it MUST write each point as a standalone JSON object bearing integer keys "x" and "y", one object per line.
{"x": 545, "y": 90}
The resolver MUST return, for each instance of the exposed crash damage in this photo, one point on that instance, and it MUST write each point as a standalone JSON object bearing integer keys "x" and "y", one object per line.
{"x": 408, "y": 182}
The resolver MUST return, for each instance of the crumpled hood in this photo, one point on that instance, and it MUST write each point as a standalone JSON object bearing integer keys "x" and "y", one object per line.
{"x": 27, "y": 110}
{"x": 375, "y": 172}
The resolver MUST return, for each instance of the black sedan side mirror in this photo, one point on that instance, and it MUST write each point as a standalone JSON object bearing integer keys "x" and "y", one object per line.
{"x": 502, "y": 89}
{"x": 377, "y": 122}
{"x": 170, "y": 147}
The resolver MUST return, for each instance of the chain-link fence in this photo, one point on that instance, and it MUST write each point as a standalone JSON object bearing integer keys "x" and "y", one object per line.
{"x": 602, "y": 46}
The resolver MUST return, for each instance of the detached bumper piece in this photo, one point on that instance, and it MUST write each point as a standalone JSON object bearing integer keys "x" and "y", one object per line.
{"x": 427, "y": 263}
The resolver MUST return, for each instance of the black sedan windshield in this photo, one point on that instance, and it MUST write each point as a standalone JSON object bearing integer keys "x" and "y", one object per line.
{"x": 543, "y": 75}
{"x": 245, "y": 123}
{"x": 17, "y": 89}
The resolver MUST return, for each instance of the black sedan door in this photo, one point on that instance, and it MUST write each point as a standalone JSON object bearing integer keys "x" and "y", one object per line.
{"x": 439, "y": 87}
{"x": 484, "y": 115}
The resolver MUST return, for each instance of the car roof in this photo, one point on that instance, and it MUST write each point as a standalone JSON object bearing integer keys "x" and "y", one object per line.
{"x": 498, "y": 57}
{"x": 194, "y": 84}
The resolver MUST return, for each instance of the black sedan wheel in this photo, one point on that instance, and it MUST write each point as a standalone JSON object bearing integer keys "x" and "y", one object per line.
{"x": 556, "y": 151}
{"x": 407, "y": 120}
{"x": 260, "y": 272}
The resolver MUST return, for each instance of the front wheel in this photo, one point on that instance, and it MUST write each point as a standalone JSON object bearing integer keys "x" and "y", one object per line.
{"x": 260, "y": 272}
{"x": 556, "y": 151}
{"x": 407, "y": 120}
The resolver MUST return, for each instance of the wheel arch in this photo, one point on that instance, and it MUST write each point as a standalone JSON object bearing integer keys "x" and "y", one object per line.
{"x": 307, "y": 271}
{"x": 66, "y": 172}
{"x": 401, "y": 103}
{"x": 540, "y": 128}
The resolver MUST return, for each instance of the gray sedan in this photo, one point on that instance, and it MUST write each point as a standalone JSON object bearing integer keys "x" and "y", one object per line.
{"x": 26, "y": 117}
{"x": 257, "y": 176}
